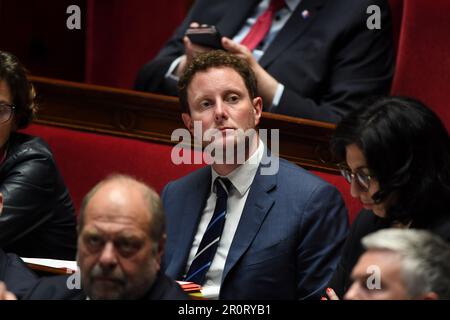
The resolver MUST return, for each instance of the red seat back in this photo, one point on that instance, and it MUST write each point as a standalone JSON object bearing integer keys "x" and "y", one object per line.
{"x": 122, "y": 36}
{"x": 86, "y": 158}
{"x": 423, "y": 59}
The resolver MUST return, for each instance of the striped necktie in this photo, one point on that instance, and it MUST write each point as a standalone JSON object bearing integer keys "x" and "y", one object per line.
{"x": 210, "y": 241}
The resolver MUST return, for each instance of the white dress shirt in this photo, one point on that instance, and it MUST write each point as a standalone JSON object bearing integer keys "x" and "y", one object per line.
{"x": 241, "y": 179}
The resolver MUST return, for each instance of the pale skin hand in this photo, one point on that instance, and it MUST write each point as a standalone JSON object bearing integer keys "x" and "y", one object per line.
{"x": 5, "y": 294}
{"x": 267, "y": 85}
{"x": 331, "y": 295}
{"x": 191, "y": 51}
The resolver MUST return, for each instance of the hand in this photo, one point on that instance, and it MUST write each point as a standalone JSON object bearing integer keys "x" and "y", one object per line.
{"x": 331, "y": 295}
{"x": 5, "y": 294}
{"x": 267, "y": 85}
{"x": 191, "y": 50}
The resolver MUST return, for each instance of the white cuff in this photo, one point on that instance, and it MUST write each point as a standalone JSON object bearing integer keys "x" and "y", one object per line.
{"x": 170, "y": 73}
{"x": 277, "y": 97}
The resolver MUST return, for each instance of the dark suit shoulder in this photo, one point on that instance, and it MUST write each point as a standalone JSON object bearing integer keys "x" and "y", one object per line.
{"x": 193, "y": 177}
{"x": 165, "y": 288}
{"x": 15, "y": 274}
{"x": 55, "y": 288}
{"x": 365, "y": 223}
{"x": 356, "y": 8}
{"x": 300, "y": 178}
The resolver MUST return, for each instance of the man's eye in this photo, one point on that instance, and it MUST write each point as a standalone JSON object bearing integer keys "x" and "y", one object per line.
{"x": 233, "y": 98}
{"x": 94, "y": 241}
{"x": 205, "y": 104}
{"x": 127, "y": 248}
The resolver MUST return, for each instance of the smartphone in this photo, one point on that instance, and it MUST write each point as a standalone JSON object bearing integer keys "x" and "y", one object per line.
{"x": 207, "y": 36}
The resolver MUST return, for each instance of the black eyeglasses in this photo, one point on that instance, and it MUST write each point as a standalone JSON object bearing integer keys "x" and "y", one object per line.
{"x": 362, "y": 179}
{"x": 6, "y": 112}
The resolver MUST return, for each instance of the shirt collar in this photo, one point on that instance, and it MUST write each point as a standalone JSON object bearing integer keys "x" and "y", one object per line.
{"x": 292, "y": 4}
{"x": 242, "y": 177}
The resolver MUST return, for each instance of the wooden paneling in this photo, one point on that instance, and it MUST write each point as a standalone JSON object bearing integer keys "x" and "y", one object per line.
{"x": 154, "y": 117}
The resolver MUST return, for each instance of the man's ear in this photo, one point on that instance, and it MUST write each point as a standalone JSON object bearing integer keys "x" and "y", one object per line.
{"x": 161, "y": 247}
{"x": 257, "y": 109}
{"x": 187, "y": 120}
{"x": 1, "y": 202}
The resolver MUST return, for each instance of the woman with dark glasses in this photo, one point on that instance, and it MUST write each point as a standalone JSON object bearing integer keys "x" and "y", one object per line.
{"x": 38, "y": 216}
{"x": 396, "y": 157}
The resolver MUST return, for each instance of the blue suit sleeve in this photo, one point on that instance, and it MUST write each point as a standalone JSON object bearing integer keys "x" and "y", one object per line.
{"x": 323, "y": 231}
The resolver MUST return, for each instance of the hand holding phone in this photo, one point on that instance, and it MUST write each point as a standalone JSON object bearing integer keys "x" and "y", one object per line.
{"x": 206, "y": 36}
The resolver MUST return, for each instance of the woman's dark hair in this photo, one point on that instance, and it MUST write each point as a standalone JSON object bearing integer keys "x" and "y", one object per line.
{"x": 407, "y": 149}
{"x": 22, "y": 92}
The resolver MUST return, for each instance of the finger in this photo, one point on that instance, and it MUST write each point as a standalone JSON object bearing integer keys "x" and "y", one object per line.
{"x": 3, "y": 291}
{"x": 10, "y": 296}
{"x": 232, "y": 46}
{"x": 331, "y": 294}
{"x": 194, "y": 25}
{"x": 193, "y": 48}
{"x": 187, "y": 47}
{"x": 187, "y": 43}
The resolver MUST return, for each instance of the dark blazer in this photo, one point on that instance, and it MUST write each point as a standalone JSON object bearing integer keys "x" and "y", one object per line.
{"x": 55, "y": 288}
{"x": 288, "y": 240}
{"x": 327, "y": 62}
{"x": 15, "y": 274}
{"x": 38, "y": 217}
{"x": 365, "y": 223}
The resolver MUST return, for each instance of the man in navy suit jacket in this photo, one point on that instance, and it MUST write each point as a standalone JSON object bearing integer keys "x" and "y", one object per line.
{"x": 324, "y": 55}
{"x": 284, "y": 227}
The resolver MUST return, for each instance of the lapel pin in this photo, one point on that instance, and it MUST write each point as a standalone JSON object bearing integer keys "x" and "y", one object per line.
{"x": 305, "y": 14}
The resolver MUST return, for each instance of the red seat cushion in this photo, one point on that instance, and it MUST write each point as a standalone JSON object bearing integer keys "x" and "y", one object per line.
{"x": 423, "y": 60}
{"x": 85, "y": 158}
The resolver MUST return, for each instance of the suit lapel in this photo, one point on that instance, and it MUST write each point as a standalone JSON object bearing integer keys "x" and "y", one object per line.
{"x": 293, "y": 29}
{"x": 235, "y": 16}
{"x": 258, "y": 204}
{"x": 193, "y": 209}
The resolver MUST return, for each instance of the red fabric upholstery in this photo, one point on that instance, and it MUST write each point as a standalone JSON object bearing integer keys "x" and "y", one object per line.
{"x": 122, "y": 36}
{"x": 86, "y": 158}
{"x": 353, "y": 205}
{"x": 423, "y": 59}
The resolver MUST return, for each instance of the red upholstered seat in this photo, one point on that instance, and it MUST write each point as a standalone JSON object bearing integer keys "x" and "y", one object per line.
{"x": 123, "y": 35}
{"x": 423, "y": 59}
{"x": 85, "y": 158}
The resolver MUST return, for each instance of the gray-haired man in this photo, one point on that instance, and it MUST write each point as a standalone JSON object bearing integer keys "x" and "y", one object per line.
{"x": 402, "y": 264}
